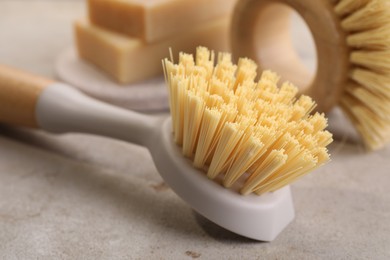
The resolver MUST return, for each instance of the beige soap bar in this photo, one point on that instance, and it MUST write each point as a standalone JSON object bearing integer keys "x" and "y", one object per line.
{"x": 129, "y": 59}
{"x": 152, "y": 20}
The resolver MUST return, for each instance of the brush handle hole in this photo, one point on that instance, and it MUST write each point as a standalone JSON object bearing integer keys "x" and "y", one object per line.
{"x": 274, "y": 46}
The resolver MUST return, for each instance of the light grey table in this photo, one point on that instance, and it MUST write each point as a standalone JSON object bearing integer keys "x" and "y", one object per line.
{"x": 84, "y": 197}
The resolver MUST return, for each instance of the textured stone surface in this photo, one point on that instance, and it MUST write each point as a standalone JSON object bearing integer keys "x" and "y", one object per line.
{"x": 86, "y": 197}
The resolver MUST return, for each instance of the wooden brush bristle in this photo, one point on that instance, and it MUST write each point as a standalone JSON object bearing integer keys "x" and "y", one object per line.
{"x": 367, "y": 97}
{"x": 251, "y": 134}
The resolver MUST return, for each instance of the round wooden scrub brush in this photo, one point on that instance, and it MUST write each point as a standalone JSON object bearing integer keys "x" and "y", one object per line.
{"x": 352, "y": 40}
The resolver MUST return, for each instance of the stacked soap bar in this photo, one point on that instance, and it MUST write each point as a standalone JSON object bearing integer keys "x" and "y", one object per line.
{"x": 129, "y": 38}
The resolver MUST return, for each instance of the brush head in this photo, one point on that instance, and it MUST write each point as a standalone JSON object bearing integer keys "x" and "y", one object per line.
{"x": 249, "y": 135}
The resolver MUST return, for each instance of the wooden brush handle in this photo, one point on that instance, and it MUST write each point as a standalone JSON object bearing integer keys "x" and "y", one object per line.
{"x": 19, "y": 92}
{"x": 260, "y": 30}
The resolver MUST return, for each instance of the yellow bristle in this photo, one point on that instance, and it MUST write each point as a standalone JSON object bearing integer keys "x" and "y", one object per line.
{"x": 246, "y": 71}
{"x": 318, "y": 121}
{"x": 305, "y": 127}
{"x": 217, "y": 87}
{"x": 374, "y": 129}
{"x": 374, "y": 39}
{"x": 205, "y": 59}
{"x": 287, "y": 172}
{"x": 267, "y": 85}
{"x": 377, "y": 61}
{"x": 302, "y": 108}
{"x": 275, "y": 160}
{"x": 267, "y": 121}
{"x": 266, "y": 134}
{"x": 213, "y": 100}
{"x": 239, "y": 130}
{"x": 362, "y": 19}
{"x": 324, "y": 138}
{"x": 277, "y": 111}
{"x": 179, "y": 97}
{"x": 248, "y": 152}
{"x": 348, "y": 6}
{"x": 270, "y": 76}
{"x": 245, "y": 91}
{"x": 186, "y": 60}
{"x": 225, "y": 70}
{"x": 371, "y": 101}
{"x": 322, "y": 156}
{"x": 230, "y": 138}
{"x": 214, "y": 120}
{"x": 307, "y": 141}
{"x": 287, "y": 93}
{"x": 193, "y": 112}
{"x": 208, "y": 132}
{"x": 374, "y": 82}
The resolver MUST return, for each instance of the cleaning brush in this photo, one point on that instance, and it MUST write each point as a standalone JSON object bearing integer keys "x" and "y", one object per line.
{"x": 250, "y": 136}
{"x": 241, "y": 131}
{"x": 352, "y": 39}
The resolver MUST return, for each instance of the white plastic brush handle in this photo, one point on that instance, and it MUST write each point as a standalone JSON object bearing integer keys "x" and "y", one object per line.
{"x": 61, "y": 108}
{"x": 29, "y": 100}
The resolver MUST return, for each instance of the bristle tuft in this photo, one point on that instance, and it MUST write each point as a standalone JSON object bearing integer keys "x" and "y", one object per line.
{"x": 345, "y": 7}
{"x": 370, "y": 16}
{"x": 254, "y": 136}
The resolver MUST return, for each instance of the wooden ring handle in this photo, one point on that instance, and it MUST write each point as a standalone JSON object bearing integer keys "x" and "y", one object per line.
{"x": 260, "y": 31}
{"x": 19, "y": 93}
